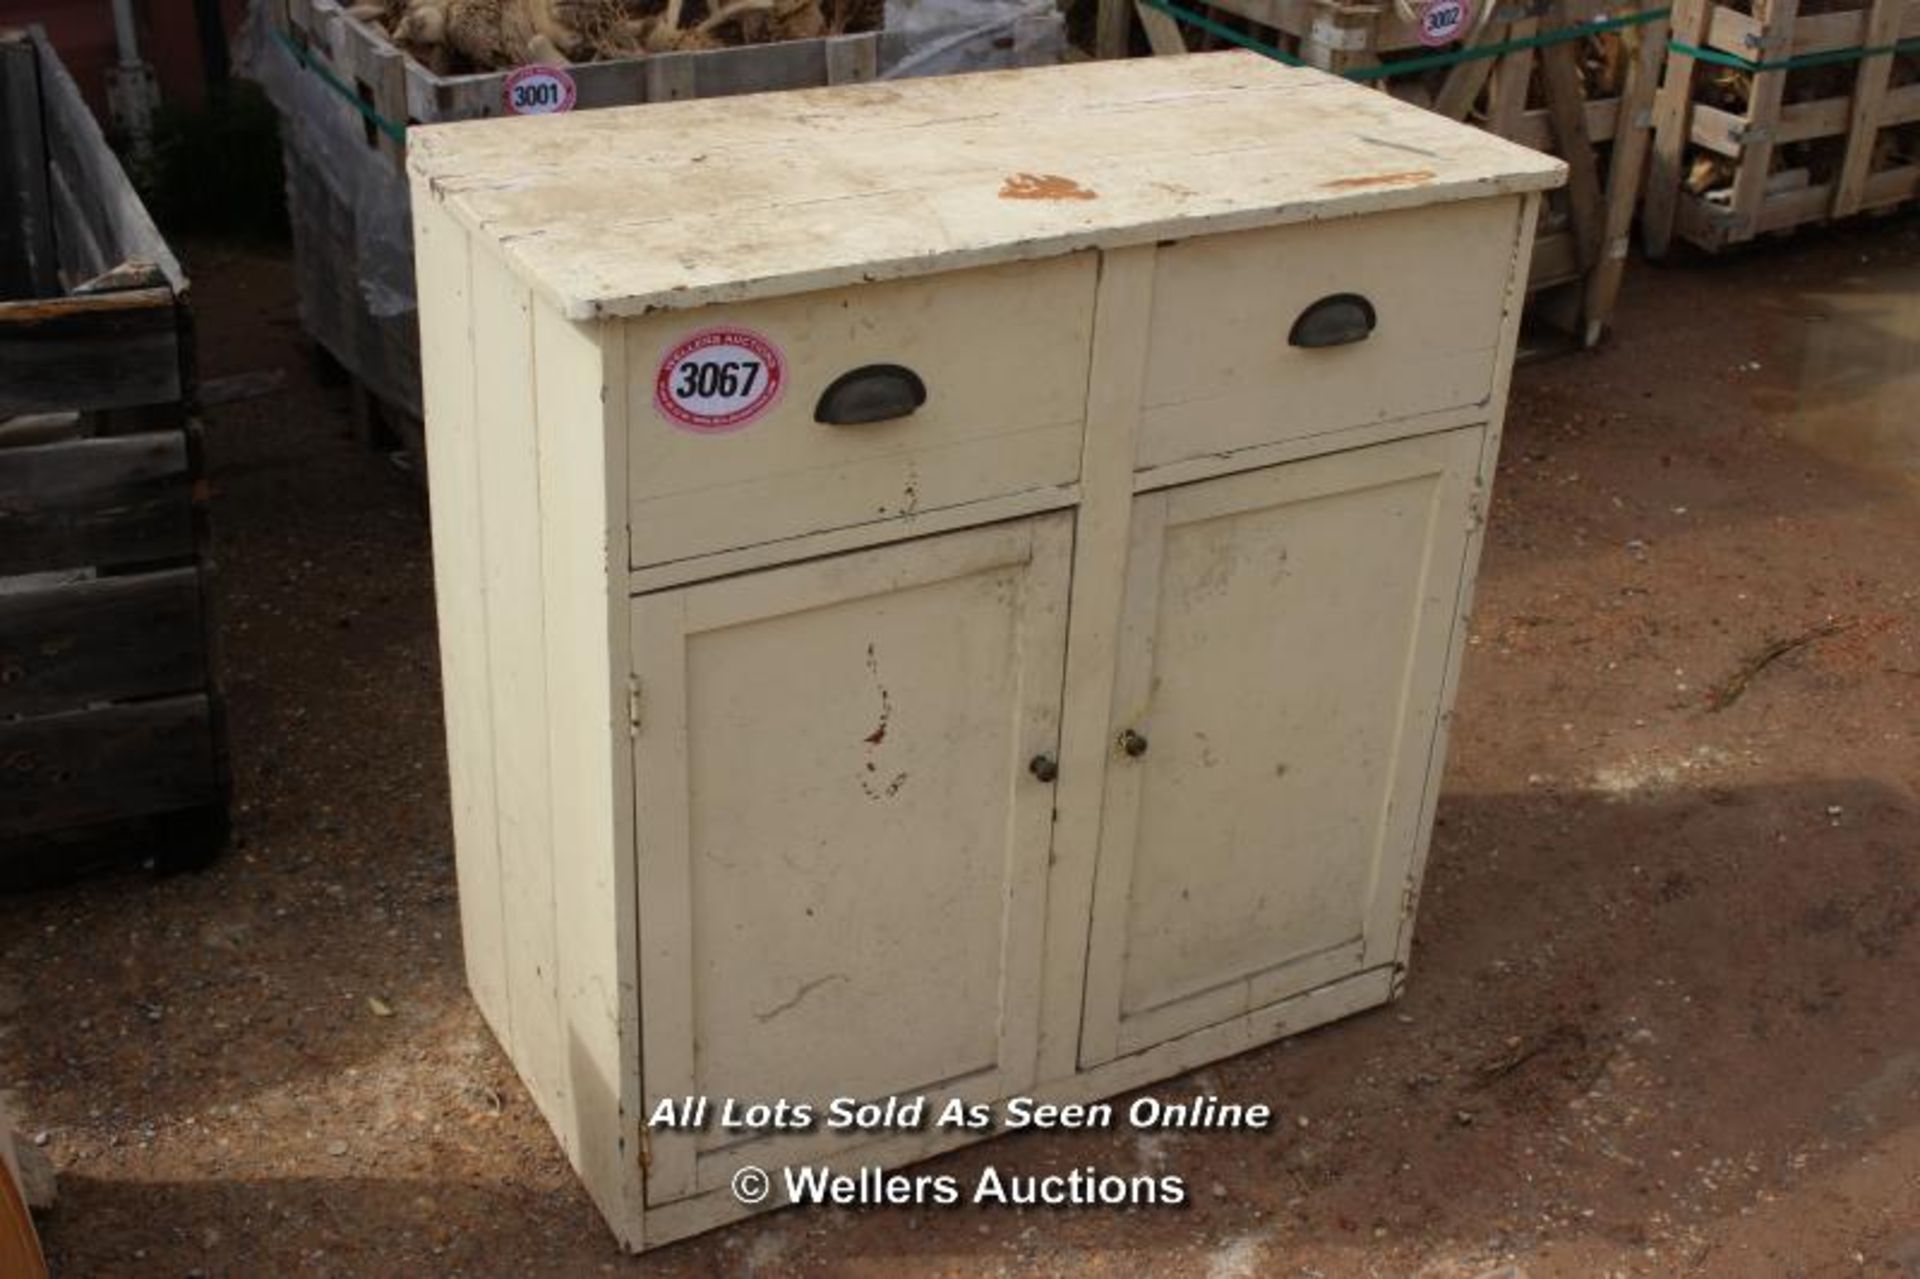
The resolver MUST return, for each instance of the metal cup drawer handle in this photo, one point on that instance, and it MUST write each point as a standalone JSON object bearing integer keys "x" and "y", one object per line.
{"x": 1335, "y": 320}
{"x": 870, "y": 393}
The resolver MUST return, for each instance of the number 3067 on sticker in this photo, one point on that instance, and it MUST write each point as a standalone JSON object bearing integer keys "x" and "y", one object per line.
{"x": 719, "y": 380}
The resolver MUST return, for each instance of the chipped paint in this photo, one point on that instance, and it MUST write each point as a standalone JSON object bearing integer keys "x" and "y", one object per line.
{"x": 879, "y": 733}
{"x": 878, "y": 737}
{"x": 1403, "y": 178}
{"x": 1044, "y": 186}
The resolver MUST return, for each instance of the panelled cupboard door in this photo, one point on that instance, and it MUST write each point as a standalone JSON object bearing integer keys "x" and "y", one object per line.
{"x": 842, "y": 840}
{"x": 1282, "y": 656}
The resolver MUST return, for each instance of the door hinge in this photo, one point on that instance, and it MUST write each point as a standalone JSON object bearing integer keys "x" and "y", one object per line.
{"x": 633, "y": 706}
{"x": 646, "y": 1152}
{"x": 1409, "y": 898}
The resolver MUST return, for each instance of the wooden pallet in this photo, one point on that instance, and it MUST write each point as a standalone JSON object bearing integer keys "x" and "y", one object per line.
{"x": 110, "y": 716}
{"x": 1820, "y": 120}
{"x": 1531, "y": 93}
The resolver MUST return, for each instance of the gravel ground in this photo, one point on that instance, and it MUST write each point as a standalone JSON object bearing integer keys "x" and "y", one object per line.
{"x": 1661, "y": 1016}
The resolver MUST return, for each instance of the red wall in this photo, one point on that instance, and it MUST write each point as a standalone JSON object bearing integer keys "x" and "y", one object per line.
{"x": 82, "y": 31}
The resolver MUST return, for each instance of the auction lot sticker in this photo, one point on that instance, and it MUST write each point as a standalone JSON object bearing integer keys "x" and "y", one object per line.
{"x": 1444, "y": 21}
{"x": 539, "y": 90}
{"x": 719, "y": 380}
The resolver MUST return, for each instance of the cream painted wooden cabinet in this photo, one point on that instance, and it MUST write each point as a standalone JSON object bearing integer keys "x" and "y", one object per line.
{"x": 947, "y": 589}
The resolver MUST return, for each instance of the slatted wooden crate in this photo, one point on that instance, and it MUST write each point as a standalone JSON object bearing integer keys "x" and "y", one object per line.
{"x": 345, "y": 214}
{"x": 1562, "y": 76}
{"x": 110, "y": 721}
{"x": 1776, "y": 118}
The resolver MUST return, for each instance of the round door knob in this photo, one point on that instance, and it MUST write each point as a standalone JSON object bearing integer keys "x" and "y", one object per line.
{"x": 1044, "y": 766}
{"x": 1133, "y": 744}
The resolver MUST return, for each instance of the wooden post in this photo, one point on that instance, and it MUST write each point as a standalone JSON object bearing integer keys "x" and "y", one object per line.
{"x": 1340, "y": 37}
{"x": 26, "y": 218}
{"x": 1632, "y": 133}
{"x": 1163, "y": 32}
{"x": 1863, "y": 120}
{"x": 390, "y": 100}
{"x": 1762, "y": 123}
{"x": 1672, "y": 123}
{"x": 1510, "y": 81}
{"x": 1112, "y": 27}
{"x": 1566, "y": 106}
{"x": 1465, "y": 80}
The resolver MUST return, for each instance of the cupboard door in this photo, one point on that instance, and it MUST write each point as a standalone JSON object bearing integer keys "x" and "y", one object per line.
{"x": 842, "y": 835}
{"x": 1285, "y": 638}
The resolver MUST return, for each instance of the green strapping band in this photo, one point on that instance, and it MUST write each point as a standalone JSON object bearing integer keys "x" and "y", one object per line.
{"x": 1826, "y": 57}
{"x": 398, "y": 132}
{"x": 1426, "y": 62}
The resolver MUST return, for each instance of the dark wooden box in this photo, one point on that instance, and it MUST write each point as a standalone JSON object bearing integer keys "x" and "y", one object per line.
{"x": 111, "y": 732}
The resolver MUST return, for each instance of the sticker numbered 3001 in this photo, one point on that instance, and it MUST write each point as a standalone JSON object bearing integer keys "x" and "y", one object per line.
{"x": 719, "y": 380}
{"x": 539, "y": 90}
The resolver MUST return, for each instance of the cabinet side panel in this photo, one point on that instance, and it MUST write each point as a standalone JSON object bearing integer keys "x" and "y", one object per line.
{"x": 441, "y": 254}
{"x": 510, "y": 540}
{"x": 587, "y": 735}
{"x": 1516, "y": 296}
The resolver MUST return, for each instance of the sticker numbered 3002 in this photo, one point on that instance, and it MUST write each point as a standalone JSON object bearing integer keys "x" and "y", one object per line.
{"x": 719, "y": 380}
{"x": 1444, "y": 21}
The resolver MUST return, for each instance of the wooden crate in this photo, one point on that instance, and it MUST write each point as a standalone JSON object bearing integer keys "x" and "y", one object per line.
{"x": 110, "y": 719}
{"x": 1774, "y": 119}
{"x": 1524, "y": 74}
{"x": 377, "y": 91}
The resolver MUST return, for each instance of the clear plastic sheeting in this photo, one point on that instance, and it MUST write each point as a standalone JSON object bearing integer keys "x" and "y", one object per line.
{"x": 330, "y": 135}
{"x": 353, "y": 232}
{"x": 353, "y": 238}
{"x": 946, "y": 37}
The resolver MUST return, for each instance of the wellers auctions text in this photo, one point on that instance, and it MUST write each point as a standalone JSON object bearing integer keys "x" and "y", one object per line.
{"x": 1082, "y": 1188}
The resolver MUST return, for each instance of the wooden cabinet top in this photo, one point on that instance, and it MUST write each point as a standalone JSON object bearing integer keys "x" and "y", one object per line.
{"x": 632, "y": 210}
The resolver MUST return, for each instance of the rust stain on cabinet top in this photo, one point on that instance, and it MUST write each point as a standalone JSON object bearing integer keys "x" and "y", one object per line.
{"x": 1044, "y": 186}
{"x": 1403, "y": 178}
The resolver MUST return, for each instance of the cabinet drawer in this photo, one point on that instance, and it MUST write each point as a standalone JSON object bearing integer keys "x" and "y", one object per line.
{"x": 1223, "y": 374}
{"x": 1001, "y": 354}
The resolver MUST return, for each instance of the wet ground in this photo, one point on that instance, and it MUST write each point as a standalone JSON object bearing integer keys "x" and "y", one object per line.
{"x": 1661, "y": 1018}
{"x": 1852, "y": 377}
